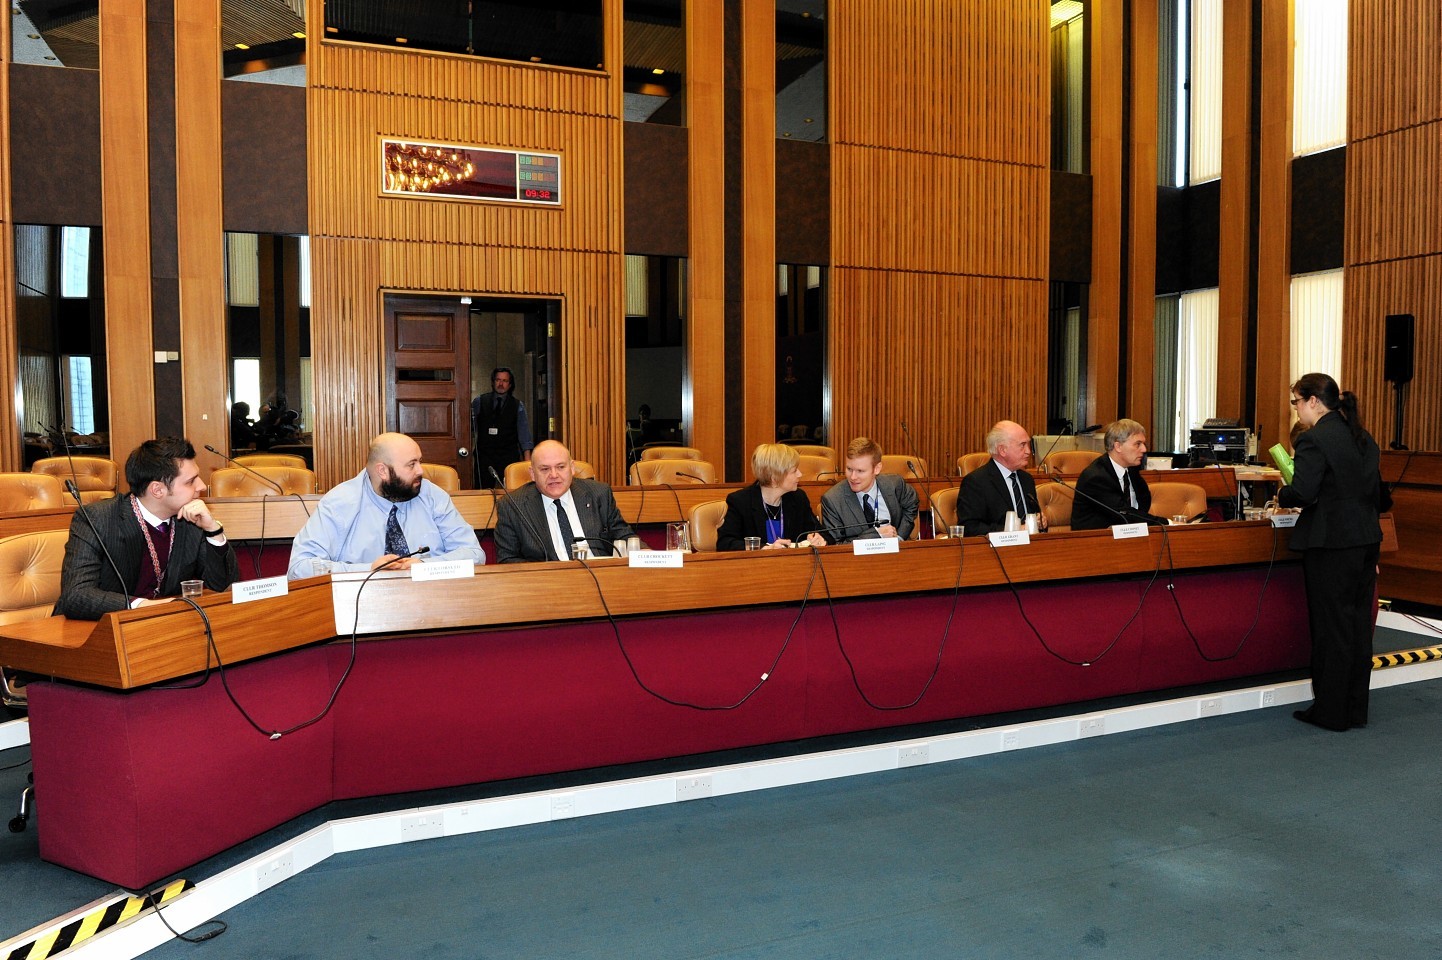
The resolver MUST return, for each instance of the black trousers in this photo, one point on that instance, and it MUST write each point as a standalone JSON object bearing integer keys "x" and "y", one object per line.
{"x": 1341, "y": 590}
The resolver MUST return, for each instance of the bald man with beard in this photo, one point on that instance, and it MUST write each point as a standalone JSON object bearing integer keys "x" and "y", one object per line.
{"x": 387, "y": 510}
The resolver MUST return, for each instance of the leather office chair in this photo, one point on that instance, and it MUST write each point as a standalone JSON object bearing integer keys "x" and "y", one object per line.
{"x": 1171, "y": 499}
{"x": 815, "y": 450}
{"x": 30, "y": 491}
{"x": 1055, "y": 500}
{"x": 1069, "y": 462}
{"x": 818, "y": 468}
{"x": 29, "y": 586}
{"x": 943, "y": 508}
{"x": 968, "y": 462}
{"x": 442, "y": 476}
{"x": 271, "y": 460}
{"x": 704, "y": 521}
{"x": 651, "y": 473}
{"x": 582, "y": 469}
{"x": 96, "y": 477}
{"x": 896, "y": 463}
{"x": 658, "y": 451}
{"x": 235, "y": 482}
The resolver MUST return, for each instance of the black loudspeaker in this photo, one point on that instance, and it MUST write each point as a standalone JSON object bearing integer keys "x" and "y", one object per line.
{"x": 1397, "y": 356}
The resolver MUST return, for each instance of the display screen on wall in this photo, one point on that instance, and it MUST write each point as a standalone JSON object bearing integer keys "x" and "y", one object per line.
{"x": 450, "y": 171}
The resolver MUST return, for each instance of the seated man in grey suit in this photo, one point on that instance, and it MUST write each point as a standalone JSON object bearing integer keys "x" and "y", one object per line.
{"x": 868, "y": 503}
{"x": 543, "y": 519}
{"x": 1112, "y": 489}
{"x": 1001, "y": 484}
{"x": 158, "y": 534}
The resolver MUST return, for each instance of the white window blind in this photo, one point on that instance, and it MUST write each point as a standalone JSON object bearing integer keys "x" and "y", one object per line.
{"x": 1206, "y": 92}
{"x": 1196, "y": 359}
{"x": 242, "y": 278}
{"x": 1319, "y": 76}
{"x": 1316, "y": 324}
{"x": 636, "y": 298}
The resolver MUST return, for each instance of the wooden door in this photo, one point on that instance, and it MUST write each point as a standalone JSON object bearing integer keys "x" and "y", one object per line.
{"x": 428, "y": 377}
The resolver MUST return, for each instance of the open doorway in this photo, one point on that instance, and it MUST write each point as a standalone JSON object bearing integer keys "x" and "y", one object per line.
{"x": 441, "y": 352}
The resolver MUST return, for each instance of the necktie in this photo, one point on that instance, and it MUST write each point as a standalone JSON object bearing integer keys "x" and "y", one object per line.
{"x": 867, "y": 510}
{"x": 1127, "y": 490}
{"x": 563, "y": 523}
{"x": 162, "y": 545}
{"x": 496, "y": 407}
{"x": 395, "y": 538}
{"x": 1021, "y": 509}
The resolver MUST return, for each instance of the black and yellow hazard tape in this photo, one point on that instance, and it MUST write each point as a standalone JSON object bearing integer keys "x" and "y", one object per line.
{"x": 1403, "y": 657}
{"x": 79, "y": 929}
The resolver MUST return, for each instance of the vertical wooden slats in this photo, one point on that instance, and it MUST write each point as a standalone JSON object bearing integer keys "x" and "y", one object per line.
{"x": 939, "y": 222}
{"x": 198, "y": 222}
{"x": 364, "y": 244}
{"x": 758, "y": 211}
{"x": 706, "y": 369}
{"x": 1234, "y": 254}
{"x": 1272, "y": 415}
{"x": 10, "y": 430}
{"x": 1142, "y": 218}
{"x": 1393, "y": 247}
{"x": 125, "y": 209}
{"x": 1106, "y": 21}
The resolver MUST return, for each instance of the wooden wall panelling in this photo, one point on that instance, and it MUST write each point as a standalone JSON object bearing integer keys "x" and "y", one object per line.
{"x": 758, "y": 214}
{"x": 10, "y": 430}
{"x": 364, "y": 244}
{"x": 704, "y": 388}
{"x": 939, "y": 223}
{"x": 125, "y": 211}
{"x": 199, "y": 227}
{"x": 1393, "y": 247}
{"x": 1106, "y": 30}
{"x": 1234, "y": 257}
{"x": 1272, "y": 415}
{"x": 1141, "y": 265}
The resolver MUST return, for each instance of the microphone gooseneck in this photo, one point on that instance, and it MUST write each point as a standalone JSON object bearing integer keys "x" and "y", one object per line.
{"x": 1055, "y": 440}
{"x": 689, "y": 476}
{"x": 259, "y": 476}
{"x": 519, "y": 511}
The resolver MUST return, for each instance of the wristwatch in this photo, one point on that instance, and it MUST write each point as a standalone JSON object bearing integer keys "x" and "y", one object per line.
{"x": 219, "y": 529}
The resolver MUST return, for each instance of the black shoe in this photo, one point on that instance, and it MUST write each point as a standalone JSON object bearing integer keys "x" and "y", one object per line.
{"x": 1306, "y": 716}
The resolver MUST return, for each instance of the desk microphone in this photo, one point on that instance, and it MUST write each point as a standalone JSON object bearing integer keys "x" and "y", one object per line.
{"x": 259, "y": 476}
{"x": 832, "y": 473}
{"x": 405, "y": 556}
{"x": 74, "y": 491}
{"x": 689, "y": 476}
{"x": 1127, "y": 516}
{"x": 910, "y": 444}
{"x": 1055, "y": 440}
{"x": 65, "y": 443}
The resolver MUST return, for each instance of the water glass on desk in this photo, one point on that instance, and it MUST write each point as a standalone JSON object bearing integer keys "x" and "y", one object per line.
{"x": 192, "y": 588}
{"x": 677, "y": 537}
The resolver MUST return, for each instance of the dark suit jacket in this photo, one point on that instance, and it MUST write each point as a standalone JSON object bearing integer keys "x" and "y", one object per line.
{"x": 1097, "y": 486}
{"x": 88, "y": 586}
{"x": 1336, "y": 484}
{"x": 746, "y": 517}
{"x": 521, "y": 518}
{"x": 841, "y": 513}
{"x": 985, "y": 498}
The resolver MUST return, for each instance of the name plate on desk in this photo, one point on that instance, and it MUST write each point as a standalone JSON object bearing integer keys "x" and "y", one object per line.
{"x": 1284, "y": 519}
{"x": 1125, "y": 531}
{"x": 1009, "y": 538}
{"x": 655, "y": 558}
{"x": 443, "y": 570}
{"x": 875, "y": 545}
{"x": 248, "y": 590}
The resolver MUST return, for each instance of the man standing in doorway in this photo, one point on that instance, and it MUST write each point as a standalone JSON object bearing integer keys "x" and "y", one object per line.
{"x": 498, "y": 423}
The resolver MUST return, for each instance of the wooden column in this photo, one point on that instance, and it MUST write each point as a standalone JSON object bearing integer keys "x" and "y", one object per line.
{"x": 1272, "y": 415}
{"x": 1234, "y": 258}
{"x": 198, "y": 223}
{"x": 1142, "y": 217}
{"x": 10, "y": 447}
{"x": 704, "y": 389}
{"x": 125, "y": 212}
{"x": 1108, "y": 35}
{"x": 758, "y": 215}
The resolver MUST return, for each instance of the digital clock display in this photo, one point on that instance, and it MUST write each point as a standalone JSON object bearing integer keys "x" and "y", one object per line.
{"x": 452, "y": 171}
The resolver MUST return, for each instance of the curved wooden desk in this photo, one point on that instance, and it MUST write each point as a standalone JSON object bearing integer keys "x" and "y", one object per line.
{"x": 517, "y": 672}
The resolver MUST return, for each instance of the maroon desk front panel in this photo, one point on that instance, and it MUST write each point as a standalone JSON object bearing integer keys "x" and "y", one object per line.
{"x": 135, "y": 786}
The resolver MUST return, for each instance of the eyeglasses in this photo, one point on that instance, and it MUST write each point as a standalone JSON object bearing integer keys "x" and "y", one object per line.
{"x": 1295, "y": 400}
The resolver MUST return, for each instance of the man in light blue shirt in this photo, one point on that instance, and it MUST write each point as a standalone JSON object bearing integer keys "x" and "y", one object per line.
{"x": 383, "y": 513}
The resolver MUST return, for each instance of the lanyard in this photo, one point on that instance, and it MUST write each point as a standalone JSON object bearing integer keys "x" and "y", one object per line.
{"x": 150, "y": 545}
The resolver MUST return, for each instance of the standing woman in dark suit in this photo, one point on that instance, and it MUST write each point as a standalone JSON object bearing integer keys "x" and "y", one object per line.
{"x": 771, "y": 508}
{"x": 1337, "y": 484}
